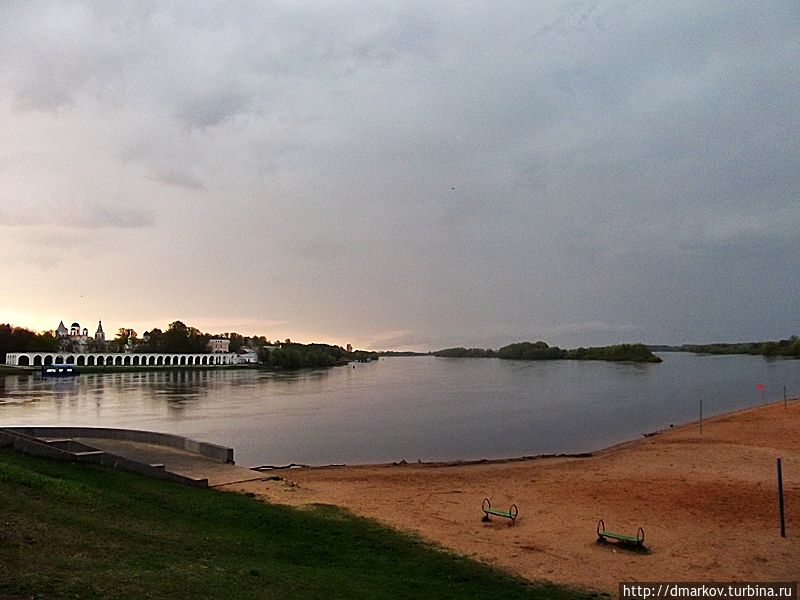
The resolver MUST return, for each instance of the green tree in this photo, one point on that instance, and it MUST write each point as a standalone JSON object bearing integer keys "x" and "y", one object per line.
{"x": 7, "y": 342}
{"x": 124, "y": 337}
{"x": 20, "y": 339}
{"x": 197, "y": 341}
{"x": 45, "y": 341}
{"x": 155, "y": 341}
{"x": 237, "y": 341}
{"x": 531, "y": 351}
{"x": 461, "y": 352}
{"x": 176, "y": 338}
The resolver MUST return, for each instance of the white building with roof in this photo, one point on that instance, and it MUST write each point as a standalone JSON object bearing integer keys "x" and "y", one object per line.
{"x": 219, "y": 345}
{"x": 78, "y": 339}
{"x": 246, "y": 356}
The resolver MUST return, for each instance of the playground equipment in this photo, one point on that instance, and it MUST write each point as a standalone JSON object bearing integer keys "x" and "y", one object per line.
{"x": 510, "y": 514}
{"x": 604, "y": 535}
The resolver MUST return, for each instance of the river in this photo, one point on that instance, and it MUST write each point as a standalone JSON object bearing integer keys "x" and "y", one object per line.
{"x": 406, "y": 408}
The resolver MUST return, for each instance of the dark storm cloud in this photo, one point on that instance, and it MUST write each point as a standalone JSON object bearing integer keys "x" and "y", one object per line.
{"x": 468, "y": 171}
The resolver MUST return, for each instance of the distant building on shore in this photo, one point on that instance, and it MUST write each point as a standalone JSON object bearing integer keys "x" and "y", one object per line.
{"x": 77, "y": 347}
{"x": 219, "y": 345}
{"x": 78, "y": 340}
{"x": 246, "y": 356}
{"x": 119, "y": 359}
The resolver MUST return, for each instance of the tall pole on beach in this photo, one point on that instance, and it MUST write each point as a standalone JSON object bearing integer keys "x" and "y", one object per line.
{"x": 785, "y": 403}
{"x": 780, "y": 498}
{"x": 701, "y": 417}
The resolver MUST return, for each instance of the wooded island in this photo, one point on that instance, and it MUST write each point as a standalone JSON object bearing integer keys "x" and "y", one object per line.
{"x": 542, "y": 351}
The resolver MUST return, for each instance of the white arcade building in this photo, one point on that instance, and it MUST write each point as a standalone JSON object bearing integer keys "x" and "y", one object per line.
{"x": 74, "y": 342}
{"x": 116, "y": 359}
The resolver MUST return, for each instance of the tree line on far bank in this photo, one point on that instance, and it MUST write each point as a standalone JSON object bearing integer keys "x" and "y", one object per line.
{"x": 542, "y": 351}
{"x": 279, "y": 355}
{"x": 180, "y": 338}
{"x": 296, "y": 356}
{"x": 788, "y": 347}
{"x": 19, "y": 339}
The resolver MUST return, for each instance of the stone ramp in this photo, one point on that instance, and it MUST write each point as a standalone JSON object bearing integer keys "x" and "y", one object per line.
{"x": 174, "y": 460}
{"x": 151, "y": 453}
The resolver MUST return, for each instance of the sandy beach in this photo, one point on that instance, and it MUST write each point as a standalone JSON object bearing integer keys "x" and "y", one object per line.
{"x": 708, "y": 504}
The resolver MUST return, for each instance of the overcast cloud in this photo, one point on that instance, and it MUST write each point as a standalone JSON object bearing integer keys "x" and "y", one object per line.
{"x": 404, "y": 174}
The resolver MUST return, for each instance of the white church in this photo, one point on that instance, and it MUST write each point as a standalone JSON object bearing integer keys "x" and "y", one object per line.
{"x": 76, "y": 350}
{"x": 80, "y": 338}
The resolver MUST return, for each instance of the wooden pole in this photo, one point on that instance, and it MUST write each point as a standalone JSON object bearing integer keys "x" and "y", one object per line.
{"x": 780, "y": 499}
{"x": 785, "y": 403}
{"x": 701, "y": 417}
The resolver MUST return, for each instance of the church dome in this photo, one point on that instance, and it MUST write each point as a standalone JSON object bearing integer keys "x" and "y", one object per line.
{"x": 75, "y": 325}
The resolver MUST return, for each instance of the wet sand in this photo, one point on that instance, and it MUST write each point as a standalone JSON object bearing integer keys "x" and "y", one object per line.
{"x": 708, "y": 504}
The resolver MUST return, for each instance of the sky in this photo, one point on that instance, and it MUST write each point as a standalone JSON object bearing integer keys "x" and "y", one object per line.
{"x": 403, "y": 175}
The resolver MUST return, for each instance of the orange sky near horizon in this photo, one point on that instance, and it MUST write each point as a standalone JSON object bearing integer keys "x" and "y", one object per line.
{"x": 273, "y": 331}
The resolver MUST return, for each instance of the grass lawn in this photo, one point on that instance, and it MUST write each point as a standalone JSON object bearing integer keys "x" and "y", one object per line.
{"x": 80, "y": 531}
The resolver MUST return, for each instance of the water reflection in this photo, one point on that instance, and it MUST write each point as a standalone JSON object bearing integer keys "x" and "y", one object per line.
{"x": 403, "y": 408}
{"x": 170, "y": 385}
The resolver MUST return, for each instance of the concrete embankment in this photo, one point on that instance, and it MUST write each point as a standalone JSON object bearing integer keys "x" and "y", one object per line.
{"x": 150, "y": 453}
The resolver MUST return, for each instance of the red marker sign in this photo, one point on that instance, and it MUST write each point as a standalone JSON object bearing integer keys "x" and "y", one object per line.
{"x": 760, "y": 387}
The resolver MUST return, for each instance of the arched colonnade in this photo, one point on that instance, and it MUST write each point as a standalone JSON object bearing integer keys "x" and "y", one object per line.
{"x": 110, "y": 359}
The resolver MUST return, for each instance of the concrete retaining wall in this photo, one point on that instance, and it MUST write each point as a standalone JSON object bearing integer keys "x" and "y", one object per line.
{"x": 27, "y": 444}
{"x": 212, "y": 451}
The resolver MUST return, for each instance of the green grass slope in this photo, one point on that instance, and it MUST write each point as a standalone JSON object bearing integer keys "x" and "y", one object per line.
{"x": 79, "y": 531}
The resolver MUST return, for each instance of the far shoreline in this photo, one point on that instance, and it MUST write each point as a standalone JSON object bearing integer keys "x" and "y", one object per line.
{"x": 84, "y": 370}
{"x": 690, "y": 491}
{"x": 532, "y": 457}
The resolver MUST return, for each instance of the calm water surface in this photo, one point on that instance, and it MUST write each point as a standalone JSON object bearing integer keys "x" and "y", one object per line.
{"x": 418, "y": 408}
